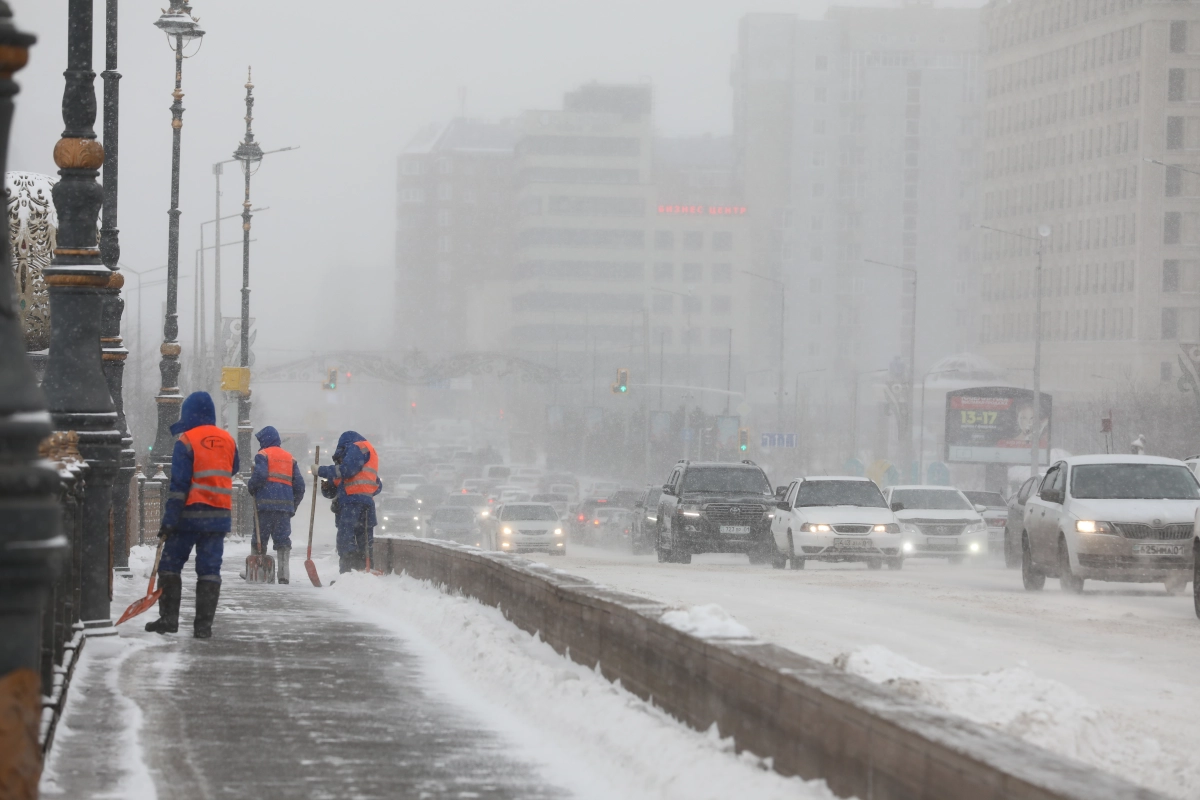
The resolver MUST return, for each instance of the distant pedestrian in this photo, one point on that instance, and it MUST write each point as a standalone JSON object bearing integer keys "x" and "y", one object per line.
{"x": 353, "y": 482}
{"x": 197, "y": 514}
{"x": 277, "y": 486}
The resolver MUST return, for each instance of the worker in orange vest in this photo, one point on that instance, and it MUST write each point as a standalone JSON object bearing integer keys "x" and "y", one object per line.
{"x": 277, "y": 486}
{"x": 353, "y": 482}
{"x": 197, "y": 514}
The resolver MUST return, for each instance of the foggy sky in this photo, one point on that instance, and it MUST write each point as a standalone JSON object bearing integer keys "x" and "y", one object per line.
{"x": 350, "y": 82}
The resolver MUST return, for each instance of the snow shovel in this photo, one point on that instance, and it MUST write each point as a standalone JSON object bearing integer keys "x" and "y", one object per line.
{"x": 260, "y": 567}
{"x": 367, "y": 546}
{"x": 152, "y": 594}
{"x": 309, "y": 566}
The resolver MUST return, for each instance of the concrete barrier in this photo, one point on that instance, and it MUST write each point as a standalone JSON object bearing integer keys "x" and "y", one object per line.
{"x": 810, "y": 718}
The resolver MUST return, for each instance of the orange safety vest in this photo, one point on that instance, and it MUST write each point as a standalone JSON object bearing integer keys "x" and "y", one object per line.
{"x": 367, "y": 479}
{"x": 213, "y": 451}
{"x": 279, "y": 465}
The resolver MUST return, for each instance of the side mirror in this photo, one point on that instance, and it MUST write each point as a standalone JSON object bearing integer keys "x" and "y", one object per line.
{"x": 781, "y": 491}
{"x": 897, "y": 506}
{"x": 639, "y": 504}
{"x": 784, "y": 505}
{"x": 980, "y": 508}
{"x": 1052, "y": 496}
{"x": 667, "y": 489}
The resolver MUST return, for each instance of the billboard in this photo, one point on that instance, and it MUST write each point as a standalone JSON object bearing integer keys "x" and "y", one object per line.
{"x": 995, "y": 425}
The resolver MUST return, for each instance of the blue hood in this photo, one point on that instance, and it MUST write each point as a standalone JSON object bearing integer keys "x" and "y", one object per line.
{"x": 345, "y": 440}
{"x": 268, "y": 437}
{"x": 197, "y": 410}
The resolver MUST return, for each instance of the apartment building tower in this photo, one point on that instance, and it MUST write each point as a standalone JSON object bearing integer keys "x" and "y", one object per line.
{"x": 1083, "y": 97}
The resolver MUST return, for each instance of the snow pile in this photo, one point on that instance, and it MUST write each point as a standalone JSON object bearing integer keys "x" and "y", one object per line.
{"x": 589, "y": 735}
{"x": 707, "y": 621}
{"x": 1043, "y": 712}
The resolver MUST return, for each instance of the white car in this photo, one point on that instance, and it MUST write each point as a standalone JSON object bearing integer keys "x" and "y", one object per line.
{"x": 529, "y": 527}
{"x": 837, "y": 518}
{"x": 406, "y": 483}
{"x": 1111, "y": 518}
{"x": 939, "y": 522}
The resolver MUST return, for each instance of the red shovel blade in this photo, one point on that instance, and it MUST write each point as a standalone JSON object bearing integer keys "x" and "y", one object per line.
{"x": 311, "y": 568}
{"x": 140, "y": 606}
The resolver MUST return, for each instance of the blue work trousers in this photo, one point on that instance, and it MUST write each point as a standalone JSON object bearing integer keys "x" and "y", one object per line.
{"x": 210, "y": 548}
{"x": 274, "y": 526}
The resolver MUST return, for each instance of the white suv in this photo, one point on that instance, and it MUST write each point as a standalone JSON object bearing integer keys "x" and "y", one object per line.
{"x": 938, "y": 522}
{"x": 1112, "y": 518}
{"x": 836, "y": 518}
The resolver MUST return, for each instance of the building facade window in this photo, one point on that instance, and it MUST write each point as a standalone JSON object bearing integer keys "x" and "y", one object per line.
{"x": 722, "y": 273}
{"x": 693, "y": 240}
{"x": 663, "y": 303}
{"x": 693, "y": 273}
{"x": 664, "y": 240}
{"x": 664, "y": 272}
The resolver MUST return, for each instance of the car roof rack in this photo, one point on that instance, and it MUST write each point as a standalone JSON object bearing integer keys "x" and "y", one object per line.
{"x": 748, "y": 461}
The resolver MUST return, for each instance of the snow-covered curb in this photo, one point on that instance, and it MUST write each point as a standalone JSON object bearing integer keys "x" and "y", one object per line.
{"x": 593, "y": 737}
{"x": 1043, "y": 712}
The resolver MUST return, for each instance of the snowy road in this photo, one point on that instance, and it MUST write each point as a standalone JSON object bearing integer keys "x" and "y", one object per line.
{"x": 1131, "y": 652}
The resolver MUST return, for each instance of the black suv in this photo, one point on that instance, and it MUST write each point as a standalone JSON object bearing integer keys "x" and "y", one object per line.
{"x": 709, "y": 507}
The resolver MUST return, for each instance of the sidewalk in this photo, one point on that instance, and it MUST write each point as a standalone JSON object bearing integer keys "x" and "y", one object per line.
{"x": 289, "y": 699}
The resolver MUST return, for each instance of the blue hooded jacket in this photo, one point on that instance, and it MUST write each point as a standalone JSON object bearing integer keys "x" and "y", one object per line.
{"x": 268, "y": 495}
{"x": 348, "y": 461}
{"x": 197, "y": 410}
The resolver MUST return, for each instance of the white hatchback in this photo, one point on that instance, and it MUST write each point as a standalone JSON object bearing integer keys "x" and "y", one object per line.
{"x": 938, "y": 522}
{"x": 837, "y": 518}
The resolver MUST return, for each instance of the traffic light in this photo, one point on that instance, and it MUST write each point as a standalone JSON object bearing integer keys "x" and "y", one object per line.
{"x": 743, "y": 439}
{"x": 413, "y": 406}
{"x": 622, "y": 384}
{"x": 331, "y": 380}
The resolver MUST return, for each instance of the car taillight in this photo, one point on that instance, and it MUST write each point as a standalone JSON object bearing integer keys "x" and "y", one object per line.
{"x": 581, "y": 517}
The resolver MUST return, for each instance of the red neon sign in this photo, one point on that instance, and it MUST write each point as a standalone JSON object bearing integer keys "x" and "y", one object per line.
{"x": 704, "y": 211}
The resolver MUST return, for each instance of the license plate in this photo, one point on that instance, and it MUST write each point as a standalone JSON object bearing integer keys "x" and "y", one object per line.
{"x": 1158, "y": 549}
{"x": 735, "y": 529}
{"x": 853, "y": 544}
{"x": 941, "y": 544}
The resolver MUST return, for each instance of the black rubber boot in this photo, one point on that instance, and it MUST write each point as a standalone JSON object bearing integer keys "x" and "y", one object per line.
{"x": 168, "y": 605}
{"x": 283, "y": 564}
{"x": 207, "y": 594}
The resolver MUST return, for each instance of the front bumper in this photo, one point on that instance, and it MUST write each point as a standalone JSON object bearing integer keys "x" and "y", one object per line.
{"x": 966, "y": 545}
{"x": 520, "y": 543}
{"x": 704, "y": 534}
{"x": 855, "y": 547}
{"x": 1112, "y": 558}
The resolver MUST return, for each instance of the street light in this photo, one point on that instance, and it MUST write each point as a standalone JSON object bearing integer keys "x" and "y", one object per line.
{"x": 250, "y": 155}
{"x": 906, "y": 426}
{"x": 687, "y": 310}
{"x": 782, "y": 332}
{"x": 181, "y": 29}
{"x": 1035, "y": 443}
{"x": 921, "y": 453}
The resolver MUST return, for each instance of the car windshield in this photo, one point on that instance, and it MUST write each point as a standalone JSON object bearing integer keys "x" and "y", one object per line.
{"x": 469, "y": 500}
{"x": 864, "y": 494}
{"x": 530, "y": 512}
{"x": 1133, "y": 482}
{"x": 454, "y": 516}
{"x": 413, "y": 479}
{"x": 399, "y": 505}
{"x": 932, "y": 499}
{"x": 727, "y": 480}
{"x": 549, "y": 498}
{"x": 994, "y": 499}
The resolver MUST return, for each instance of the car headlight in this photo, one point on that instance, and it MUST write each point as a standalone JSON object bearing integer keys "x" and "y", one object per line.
{"x": 558, "y": 531}
{"x": 483, "y": 513}
{"x": 1093, "y": 526}
{"x": 815, "y": 527}
{"x": 385, "y": 519}
{"x": 507, "y": 531}
{"x": 909, "y": 528}
{"x": 890, "y": 527}
{"x": 974, "y": 547}
{"x": 978, "y": 527}
{"x": 907, "y": 547}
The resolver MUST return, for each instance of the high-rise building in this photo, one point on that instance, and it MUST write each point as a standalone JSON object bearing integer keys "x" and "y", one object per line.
{"x": 858, "y": 139}
{"x": 454, "y": 229}
{"x": 1081, "y": 99}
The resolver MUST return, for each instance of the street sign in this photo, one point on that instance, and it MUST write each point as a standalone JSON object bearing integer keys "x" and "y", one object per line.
{"x": 785, "y": 440}
{"x": 235, "y": 379}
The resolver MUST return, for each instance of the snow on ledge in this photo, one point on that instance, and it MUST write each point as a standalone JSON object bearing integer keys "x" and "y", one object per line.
{"x": 708, "y": 621}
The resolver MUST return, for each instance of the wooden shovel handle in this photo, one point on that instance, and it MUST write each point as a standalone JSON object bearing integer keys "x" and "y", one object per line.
{"x": 312, "y": 517}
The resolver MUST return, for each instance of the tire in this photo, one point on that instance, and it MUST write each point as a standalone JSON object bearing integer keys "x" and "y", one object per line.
{"x": 896, "y": 563}
{"x": 1033, "y": 579}
{"x": 1012, "y": 553}
{"x": 1176, "y": 584}
{"x": 798, "y": 563}
{"x": 875, "y": 563}
{"x": 1066, "y": 579}
{"x": 1196, "y": 581}
{"x": 664, "y": 556}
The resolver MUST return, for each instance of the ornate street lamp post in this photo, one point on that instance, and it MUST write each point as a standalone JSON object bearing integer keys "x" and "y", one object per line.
{"x": 250, "y": 155}
{"x": 181, "y": 28}
{"x": 76, "y": 390}
{"x": 31, "y": 542}
{"x": 114, "y": 305}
